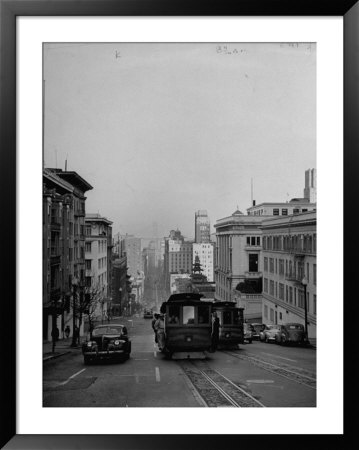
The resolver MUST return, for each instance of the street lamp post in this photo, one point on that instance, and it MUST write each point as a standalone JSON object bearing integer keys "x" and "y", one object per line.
{"x": 54, "y": 326}
{"x": 120, "y": 291}
{"x": 74, "y": 294}
{"x": 305, "y": 283}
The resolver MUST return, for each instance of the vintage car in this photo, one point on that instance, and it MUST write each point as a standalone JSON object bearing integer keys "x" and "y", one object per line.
{"x": 258, "y": 328}
{"x": 291, "y": 333}
{"x": 108, "y": 341}
{"x": 269, "y": 333}
{"x": 148, "y": 314}
{"x": 248, "y": 331}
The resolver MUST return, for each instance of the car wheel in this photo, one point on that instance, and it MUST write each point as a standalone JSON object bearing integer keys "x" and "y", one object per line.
{"x": 266, "y": 340}
{"x": 250, "y": 341}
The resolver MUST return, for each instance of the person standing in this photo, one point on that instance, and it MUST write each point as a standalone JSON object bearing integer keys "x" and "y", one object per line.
{"x": 67, "y": 331}
{"x": 215, "y": 331}
{"x": 154, "y": 320}
{"x": 160, "y": 332}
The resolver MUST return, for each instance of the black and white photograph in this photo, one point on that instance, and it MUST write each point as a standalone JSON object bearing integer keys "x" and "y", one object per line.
{"x": 179, "y": 213}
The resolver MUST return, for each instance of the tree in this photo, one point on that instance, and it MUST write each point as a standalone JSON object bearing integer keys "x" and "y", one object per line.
{"x": 88, "y": 302}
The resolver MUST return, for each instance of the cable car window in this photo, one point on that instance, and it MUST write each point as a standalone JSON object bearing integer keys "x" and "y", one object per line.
{"x": 227, "y": 317}
{"x": 236, "y": 317}
{"x": 173, "y": 314}
{"x": 203, "y": 314}
{"x": 188, "y": 315}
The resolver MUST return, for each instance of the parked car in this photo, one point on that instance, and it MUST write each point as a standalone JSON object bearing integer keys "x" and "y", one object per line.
{"x": 269, "y": 333}
{"x": 291, "y": 333}
{"x": 148, "y": 314}
{"x": 258, "y": 327}
{"x": 248, "y": 331}
{"x": 108, "y": 341}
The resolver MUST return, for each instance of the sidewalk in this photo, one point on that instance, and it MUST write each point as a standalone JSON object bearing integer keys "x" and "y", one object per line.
{"x": 63, "y": 346}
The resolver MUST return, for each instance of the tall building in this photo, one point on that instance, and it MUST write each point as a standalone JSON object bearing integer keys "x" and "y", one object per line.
{"x": 310, "y": 190}
{"x": 134, "y": 255}
{"x": 205, "y": 255}
{"x": 98, "y": 250}
{"x": 63, "y": 245}
{"x": 202, "y": 227}
{"x": 177, "y": 257}
{"x": 289, "y": 255}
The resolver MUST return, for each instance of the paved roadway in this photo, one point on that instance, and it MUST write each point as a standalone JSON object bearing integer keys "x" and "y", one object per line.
{"x": 256, "y": 374}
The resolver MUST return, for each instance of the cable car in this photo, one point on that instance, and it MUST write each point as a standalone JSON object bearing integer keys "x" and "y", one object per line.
{"x": 231, "y": 323}
{"x": 187, "y": 326}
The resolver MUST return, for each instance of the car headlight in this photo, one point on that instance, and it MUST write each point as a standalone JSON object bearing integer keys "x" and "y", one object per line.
{"x": 116, "y": 342}
{"x": 89, "y": 344}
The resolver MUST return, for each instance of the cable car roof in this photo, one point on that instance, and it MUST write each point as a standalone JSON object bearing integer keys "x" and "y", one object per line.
{"x": 184, "y": 296}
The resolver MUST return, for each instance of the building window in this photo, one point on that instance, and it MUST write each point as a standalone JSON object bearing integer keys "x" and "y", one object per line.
{"x": 281, "y": 291}
{"x": 253, "y": 263}
{"x": 266, "y": 311}
{"x": 88, "y": 247}
{"x": 258, "y": 240}
{"x": 88, "y": 230}
{"x": 88, "y": 281}
{"x": 281, "y": 267}
{"x": 88, "y": 264}
{"x": 271, "y": 265}
{"x": 271, "y": 315}
{"x": 248, "y": 240}
{"x": 280, "y": 316}
{"x": 266, "y": 285}
{"x": 264, "y": 243}
{"x": 271, "y": 287}
{"x": 290, "y": 295}
{"x": 275, "y": 212}
{"x": 314, "y": 274}
{"x": 284, "y": 212}
{"x": 314, "y": 304}
{"x": 265, "y": 264}
{"x": 301, "y": 299}
{"x": 295, "y": 211}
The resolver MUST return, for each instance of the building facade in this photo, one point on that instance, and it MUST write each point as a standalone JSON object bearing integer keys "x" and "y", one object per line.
{"x": 310, "y": 190}
{"x": 205, "y": 253}
{"x": 289, "y": 256}
{"x": 134, "y": 255}
{"x": 294, "y": 206}
{"x": 63, "y": 246}
{"x": 98, "y": 249}
{"x": 238, "y": 271}
{"x": 202, "y": 227}
{"x": 177, "y": 257}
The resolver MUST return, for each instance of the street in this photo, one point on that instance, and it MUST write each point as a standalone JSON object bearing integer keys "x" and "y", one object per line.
{"x": 254, "y": 375}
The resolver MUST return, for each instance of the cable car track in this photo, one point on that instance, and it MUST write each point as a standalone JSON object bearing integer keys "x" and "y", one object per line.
{"x": 215, "y": 389}
{"x": 281, "y": 370}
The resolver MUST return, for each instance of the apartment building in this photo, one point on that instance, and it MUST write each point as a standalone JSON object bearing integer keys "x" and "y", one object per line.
{"x": 63, "y": 245}
{"x": 98, "y": 249}
{"x": 289, "y": 256}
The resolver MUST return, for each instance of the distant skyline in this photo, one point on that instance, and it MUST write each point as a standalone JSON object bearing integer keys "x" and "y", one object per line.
{"x": 163, "y": 130}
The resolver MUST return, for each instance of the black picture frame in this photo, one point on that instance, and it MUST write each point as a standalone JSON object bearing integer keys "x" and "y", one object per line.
{"x": 9, "y": 10}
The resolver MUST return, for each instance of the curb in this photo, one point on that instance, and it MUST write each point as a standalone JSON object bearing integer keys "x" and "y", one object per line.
{"x": 47, "y": 358}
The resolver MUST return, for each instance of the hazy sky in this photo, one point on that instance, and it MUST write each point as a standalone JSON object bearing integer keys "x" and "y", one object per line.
{"x": 163, "y": 130}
